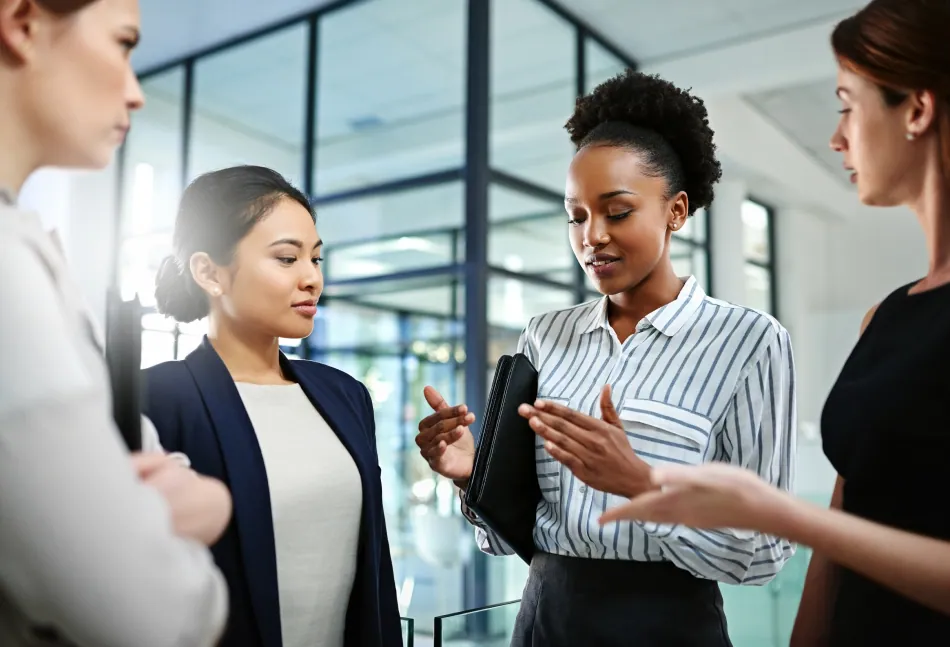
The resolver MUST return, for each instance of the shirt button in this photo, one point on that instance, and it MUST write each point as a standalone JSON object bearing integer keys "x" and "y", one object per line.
{"x": 583, "y": 488}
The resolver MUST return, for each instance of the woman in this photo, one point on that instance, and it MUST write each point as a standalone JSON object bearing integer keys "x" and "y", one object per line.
{"x": 884, "y": 425}
{"x": 689, "y": 379}
{"x": 98, "y": 548}
{"x": 307, "y": 557}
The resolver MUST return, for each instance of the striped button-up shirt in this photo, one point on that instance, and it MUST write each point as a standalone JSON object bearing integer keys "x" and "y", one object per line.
{"x": 700, "y": 380}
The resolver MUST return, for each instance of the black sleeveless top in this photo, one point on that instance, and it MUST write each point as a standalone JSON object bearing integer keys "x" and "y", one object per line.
{"x": 886, "y": 430}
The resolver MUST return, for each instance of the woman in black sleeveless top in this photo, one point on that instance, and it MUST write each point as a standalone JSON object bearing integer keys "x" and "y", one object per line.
{"x": 881, "y": 569}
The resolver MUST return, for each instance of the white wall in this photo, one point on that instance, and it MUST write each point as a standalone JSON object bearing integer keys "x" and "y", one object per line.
{"x": 829, "y": 273}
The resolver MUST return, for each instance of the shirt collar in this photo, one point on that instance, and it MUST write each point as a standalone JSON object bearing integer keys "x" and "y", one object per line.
{"x": 668, "y": 319}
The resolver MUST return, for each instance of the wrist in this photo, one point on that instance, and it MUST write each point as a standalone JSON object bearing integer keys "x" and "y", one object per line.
{"x": 781, "y": 515}
{"x": 640, "y": 481}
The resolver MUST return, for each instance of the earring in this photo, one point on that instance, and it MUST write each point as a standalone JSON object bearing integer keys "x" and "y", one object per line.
{"x": 911, "y": 136}
{"x": 216, "y": 292}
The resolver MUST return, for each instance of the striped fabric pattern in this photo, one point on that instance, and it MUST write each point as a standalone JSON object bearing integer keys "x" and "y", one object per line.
{"x": 701, "y": 380}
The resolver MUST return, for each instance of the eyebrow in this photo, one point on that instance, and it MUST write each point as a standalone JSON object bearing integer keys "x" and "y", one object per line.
{"x": 602, "y": 196}
{"x": 293, "y": 241}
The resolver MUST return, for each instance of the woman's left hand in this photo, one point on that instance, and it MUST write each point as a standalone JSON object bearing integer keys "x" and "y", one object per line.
{"x": 596, "y": 451}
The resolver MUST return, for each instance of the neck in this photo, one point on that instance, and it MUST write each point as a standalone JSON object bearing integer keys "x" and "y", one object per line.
{"x": 933, "y": 211}
{"x": 19, "y": 157}
{"x": 248, "y": 356}
{"x": 661, "y": 287}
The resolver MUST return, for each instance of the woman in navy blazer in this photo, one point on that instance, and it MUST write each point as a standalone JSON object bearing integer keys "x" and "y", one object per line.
{"x": 247, "y": 253}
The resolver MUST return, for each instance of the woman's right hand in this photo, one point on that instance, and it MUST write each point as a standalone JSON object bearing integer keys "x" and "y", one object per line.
{"x": 200, "y": 506}
{"x": 445, "y": 440}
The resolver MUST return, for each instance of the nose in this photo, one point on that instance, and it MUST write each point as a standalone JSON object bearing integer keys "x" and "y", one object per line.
{"x": 312, "y": 280}
{"x": 595, "y": 232}
{"x": 134, "y": 97}
{"x": 838, "y": 143}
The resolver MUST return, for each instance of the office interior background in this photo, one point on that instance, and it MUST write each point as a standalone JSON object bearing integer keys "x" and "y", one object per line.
{"x": 430, "y": 135}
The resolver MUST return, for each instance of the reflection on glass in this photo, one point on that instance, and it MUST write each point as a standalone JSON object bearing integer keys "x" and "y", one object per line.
{"x": 599, "y": 64}
{"x": 391, "y": 92}
{"x": 533, "y": 88}
{"x": 758, "y": 288}
{"x": 755, "y": 231}
{"x": 249, "y": 105}
{"x": 393, "y": 232}
{"x": 528, "y": 235}
{"x": 512, "y": 302}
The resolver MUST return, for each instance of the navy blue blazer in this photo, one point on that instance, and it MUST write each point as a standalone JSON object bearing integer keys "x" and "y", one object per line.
{"x": 198, "y": 411}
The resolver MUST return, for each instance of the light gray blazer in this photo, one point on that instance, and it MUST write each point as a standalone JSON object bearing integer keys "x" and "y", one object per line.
{"x": 87, "y": 552}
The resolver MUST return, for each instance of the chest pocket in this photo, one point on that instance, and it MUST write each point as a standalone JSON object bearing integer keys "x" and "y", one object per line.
{"x": 664, "y": 433}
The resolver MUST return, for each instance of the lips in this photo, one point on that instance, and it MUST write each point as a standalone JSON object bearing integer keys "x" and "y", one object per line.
{"x": 306, "y": 308}
{"x": 602, "y": 264}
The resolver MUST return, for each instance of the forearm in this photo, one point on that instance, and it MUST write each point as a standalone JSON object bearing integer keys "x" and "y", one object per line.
{"x": 204, "y": 513}
{"x": 915, "y": 566}
{"x": 811, "y": 628}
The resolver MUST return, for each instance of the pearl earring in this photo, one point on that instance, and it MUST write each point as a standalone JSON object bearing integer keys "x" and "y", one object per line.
{"x": 216, "y": 292}
{"x": 911, "y": 137}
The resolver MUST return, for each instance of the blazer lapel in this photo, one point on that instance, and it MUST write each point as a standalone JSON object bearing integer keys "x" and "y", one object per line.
{"x": 247, "y": 479}
{"x": 334, "y": 412}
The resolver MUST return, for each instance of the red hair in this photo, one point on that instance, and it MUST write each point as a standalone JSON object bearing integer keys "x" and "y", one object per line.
{"x": 64, "y": 7}
{"x": 901, "y": 45}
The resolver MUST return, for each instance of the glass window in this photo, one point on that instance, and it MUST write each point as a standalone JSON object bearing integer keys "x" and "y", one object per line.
{"x": 529, "y": 235}
{"x": 512, "y": 302}
{"x": 755, "y": 232}
{"x": 249, "y": 105}
{"x": 392, "y": 232}
{"x": 391, "y": 92}
{"x": 533, "y": 88}
{"x": 599, "y": 64}
{"x": 368, "y": 334}
{"x": 152, "y": 156}
{"x": 759, "y": 264}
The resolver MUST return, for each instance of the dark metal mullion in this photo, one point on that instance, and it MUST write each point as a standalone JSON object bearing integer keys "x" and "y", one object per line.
{"x": 477, "y": 178}
{"x": 580, "y": 89}
{"x": 310, "y": 108}
{"x": 707, "y": 241}
{"x": 773, "y": 278}
{"x": 524, "y": 186}
{"x": 593, "y": 33}
{"x": 187, "y": 121}
{"x": 395, "y": 186}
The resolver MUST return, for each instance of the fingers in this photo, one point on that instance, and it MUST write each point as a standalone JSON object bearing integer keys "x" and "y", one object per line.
{"x": 446, "y": 421}
{"x": 435, "y": 399}
{"x": 146, "y": 464}
{"x": 556, "y": 431}
{"x": 571, "y": 461}
{"x": 607, "y": 411}
{"x": 649, "y": 506}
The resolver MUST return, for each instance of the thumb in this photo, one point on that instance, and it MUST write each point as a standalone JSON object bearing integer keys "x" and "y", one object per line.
{"x": 435, "y": 399}
{"x": 607, "y": 411}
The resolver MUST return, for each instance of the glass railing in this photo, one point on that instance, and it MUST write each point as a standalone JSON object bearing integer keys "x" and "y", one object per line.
{"x": 408, "y": 626}
{"x": 489, "y": 626}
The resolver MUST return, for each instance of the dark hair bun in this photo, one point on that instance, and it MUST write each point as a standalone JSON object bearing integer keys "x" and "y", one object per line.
{"x": 649, "y": 103}
{"x": 176, "y": 293}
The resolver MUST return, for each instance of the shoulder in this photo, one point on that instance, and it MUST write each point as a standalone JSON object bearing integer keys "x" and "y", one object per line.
{"x": 563, "y": 317}
{"x": 866, "y": 321}
{"x": 759, "y": 336}
{"x": 329, "y": 376}
{"x": 168, "y": 376}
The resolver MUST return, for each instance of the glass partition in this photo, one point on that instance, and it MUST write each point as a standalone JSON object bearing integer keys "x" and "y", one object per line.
{"x": 489, "y": 626}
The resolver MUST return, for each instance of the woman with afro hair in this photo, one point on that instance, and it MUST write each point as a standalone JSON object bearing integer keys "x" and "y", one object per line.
{"x": 654, "y": 373}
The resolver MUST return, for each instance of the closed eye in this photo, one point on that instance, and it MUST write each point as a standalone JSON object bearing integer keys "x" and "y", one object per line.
{"x": 287, "y": 260}
{"x": 620, "y": 216}
{"x": 317, "y": 260}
